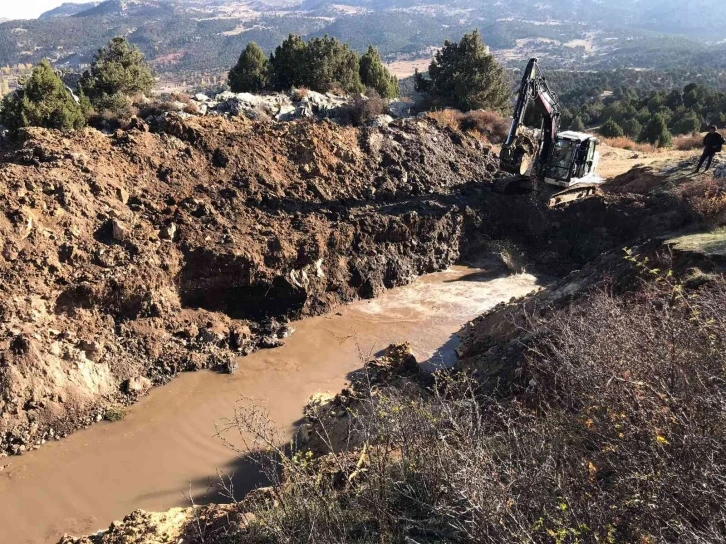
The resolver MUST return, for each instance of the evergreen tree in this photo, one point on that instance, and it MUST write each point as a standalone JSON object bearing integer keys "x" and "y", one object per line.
{"x": 42, "y": 101}
{"x": 251, "y": 73}
{"x": 289, "y": 64}
{"x": 656, "y": 132}
{"x": 688, "y": 123}
{"x": 375, "y": 75}
{"x": 465, "y": 76}
{"x": 117, "y": 72}
{"x": 632, "y": 128}
{"x": 332, "y": 65}
{"x": 578, "y": 125}
{"x": 610, "y": 129}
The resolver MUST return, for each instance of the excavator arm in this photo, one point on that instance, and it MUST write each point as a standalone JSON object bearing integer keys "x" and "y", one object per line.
{"x": 521, "y": 147}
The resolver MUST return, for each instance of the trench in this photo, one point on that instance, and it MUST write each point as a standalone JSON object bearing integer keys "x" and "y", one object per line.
{"x": 166, "y": 446}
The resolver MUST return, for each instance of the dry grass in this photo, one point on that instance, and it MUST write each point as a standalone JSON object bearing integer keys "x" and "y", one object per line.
{"x": 618, "y": 434}
{"x": 631, "y": 145}
{"x": 706, "y": 198}
{"x": 688, "y": 142}
{"x": 486, "y": 125}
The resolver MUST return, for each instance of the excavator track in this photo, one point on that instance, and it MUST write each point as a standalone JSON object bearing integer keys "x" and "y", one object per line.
{"x": 571, "y": 194}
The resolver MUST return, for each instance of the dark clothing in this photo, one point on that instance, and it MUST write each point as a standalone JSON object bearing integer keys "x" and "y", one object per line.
{"x": 707, "y": 157}
{"x": 712, "y": 144}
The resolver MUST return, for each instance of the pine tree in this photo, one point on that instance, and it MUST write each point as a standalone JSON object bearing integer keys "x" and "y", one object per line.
{"x": 375, "y": 75}
{"x": 610, "y": 129}
{"x": 288, "y": 64}
{"x": 632, "y": 128}
{"x": 656, "y": 132}
{"x": 332, "y": 65}
{"x": 689, "y": 123}
{"x": 42, "y": 101}
{"x": 465, "y": 76}
{"x": 578, "y": 125}
{"x": 251, "y": 73}
{"x": 118, "y": 71}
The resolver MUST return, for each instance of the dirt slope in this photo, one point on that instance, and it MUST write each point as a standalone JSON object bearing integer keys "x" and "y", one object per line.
{"x": 125, "y": 259}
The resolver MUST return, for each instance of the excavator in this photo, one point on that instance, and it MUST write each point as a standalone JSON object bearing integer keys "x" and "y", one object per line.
{"x": 566, "y": 159}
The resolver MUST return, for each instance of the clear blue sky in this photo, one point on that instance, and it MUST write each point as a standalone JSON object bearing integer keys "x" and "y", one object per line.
{"x": 28, "y": 9}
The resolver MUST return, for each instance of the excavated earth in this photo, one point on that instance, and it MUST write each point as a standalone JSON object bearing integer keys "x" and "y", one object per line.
{"x": 128, "y": 258}
{"x": 188, "y": 243}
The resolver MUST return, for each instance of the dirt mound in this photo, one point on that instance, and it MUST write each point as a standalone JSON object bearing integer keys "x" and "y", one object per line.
{"x": 128, "y": 258}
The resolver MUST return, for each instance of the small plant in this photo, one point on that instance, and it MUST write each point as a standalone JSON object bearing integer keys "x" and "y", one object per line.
{"x": 115, "y": 413}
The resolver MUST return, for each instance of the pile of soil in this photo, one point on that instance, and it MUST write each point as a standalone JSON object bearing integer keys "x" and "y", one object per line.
{"x": 128, "y": 258}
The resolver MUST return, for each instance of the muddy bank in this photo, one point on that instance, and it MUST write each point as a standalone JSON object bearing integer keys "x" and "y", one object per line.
{"x": 167, "y": 440}
{"x": 127, "y": 259}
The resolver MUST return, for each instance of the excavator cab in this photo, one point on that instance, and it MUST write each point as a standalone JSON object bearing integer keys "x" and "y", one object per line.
{"x": 573, "y": 159}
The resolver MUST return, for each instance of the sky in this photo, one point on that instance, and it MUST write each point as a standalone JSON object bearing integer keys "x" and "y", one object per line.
{"x": 28, "y": 9}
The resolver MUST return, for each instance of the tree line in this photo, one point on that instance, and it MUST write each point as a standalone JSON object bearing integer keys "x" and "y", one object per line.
{"x": 321, "y": 64}
{"x": 652, "y": 117}
{"x": 462, "y": 75}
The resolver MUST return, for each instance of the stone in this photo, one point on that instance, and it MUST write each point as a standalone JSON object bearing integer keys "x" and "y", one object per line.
{"x": 120, "y": 231}
{"x": 123, "y": 195}
{"x": 399, "y": 109}
{"x": 137, "y": 385}
{"x": 93, "y": 349}
{"x": 168, "y": 232}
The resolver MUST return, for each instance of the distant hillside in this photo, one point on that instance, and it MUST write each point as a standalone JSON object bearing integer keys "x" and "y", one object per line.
{"x": 126, "y": 8}
{"x": 67, "y": 9}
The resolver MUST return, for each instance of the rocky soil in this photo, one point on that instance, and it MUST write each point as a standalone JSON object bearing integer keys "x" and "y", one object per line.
{"x": 128, "y": 258}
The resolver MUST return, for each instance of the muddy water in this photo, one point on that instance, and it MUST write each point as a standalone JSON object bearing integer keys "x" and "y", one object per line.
{"x": 166, "y": 446}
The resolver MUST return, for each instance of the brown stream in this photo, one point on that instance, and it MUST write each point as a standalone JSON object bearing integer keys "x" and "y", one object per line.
{"x": 166, "y": 446}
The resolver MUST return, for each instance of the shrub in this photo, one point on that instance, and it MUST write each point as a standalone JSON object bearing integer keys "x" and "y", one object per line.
{"x": 656, "y": 132}
{"x": 688, "y": 142}
{"x": 610, "y": 129}
{"x": 465, "y": 76}
{"x": 616, "y": 435}
{"x": 42, "y": 101}
{"x": 115, "y": 413}
{"x": 364, "y": 109}
{"x": 630, "y": 145}
{"x": 117, "y": 73}
{"x": 251, "y": 73}
{"x": 493, "y": 126}
{"x": 489, "y": 125}
{"x": 375, "y": 75}
{"x": 448, "y": 118}
{"x": 632, "y": 128}
{"x": 706, "y": 198}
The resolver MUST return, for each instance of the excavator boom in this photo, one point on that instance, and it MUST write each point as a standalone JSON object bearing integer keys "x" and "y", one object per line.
{"x": 521, "y": 146}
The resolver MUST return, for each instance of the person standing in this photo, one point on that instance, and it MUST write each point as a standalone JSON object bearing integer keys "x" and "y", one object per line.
{"x": 712, "y": 144}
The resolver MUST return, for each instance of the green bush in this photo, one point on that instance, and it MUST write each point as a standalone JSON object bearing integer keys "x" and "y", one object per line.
{"x": 632, "y": 128}
{"x": 42, "y": 101}
{"x": 610, "y": 129}
{"x": 322, "y": 65}
{"x": 118, "y": 72}
{"x": 375, "y": 75}
{"x": 251, "y": 73}
{"x": 466, "y": 77}
{"x": 656, "y": 132}
{"x": 689, "y": 123}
